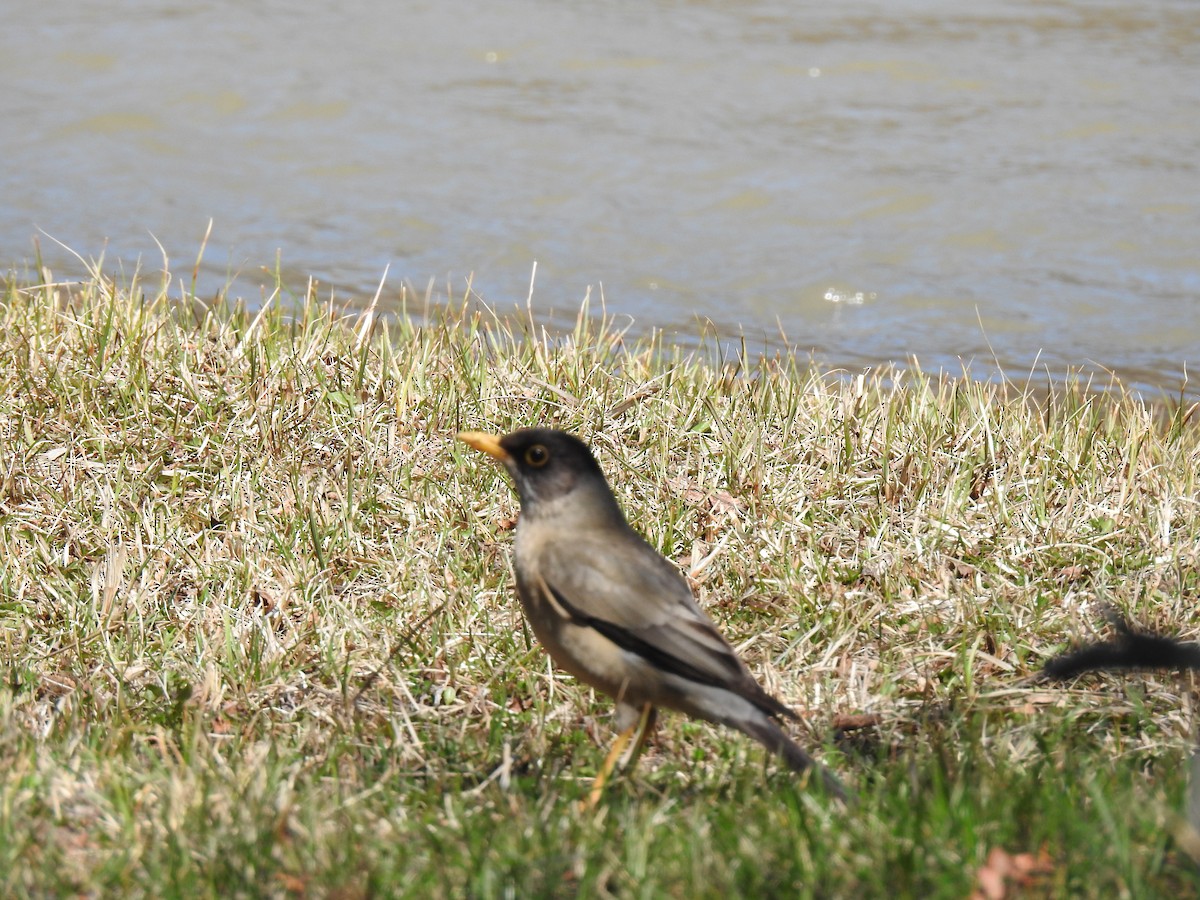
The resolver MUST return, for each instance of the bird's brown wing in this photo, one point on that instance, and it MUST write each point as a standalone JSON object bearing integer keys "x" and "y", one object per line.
{"x": 640, "y": 602}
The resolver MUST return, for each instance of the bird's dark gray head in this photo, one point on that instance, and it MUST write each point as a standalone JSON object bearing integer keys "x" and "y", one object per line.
{"x": 546, "y": 465}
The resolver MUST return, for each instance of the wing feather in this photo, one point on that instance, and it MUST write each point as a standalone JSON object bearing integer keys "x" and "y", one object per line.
{"x": 652, "y": 613}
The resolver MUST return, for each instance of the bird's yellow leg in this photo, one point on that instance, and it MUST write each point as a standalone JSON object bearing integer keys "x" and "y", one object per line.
{"x": 643, "y": 726}
{"x": 610, "y": 763}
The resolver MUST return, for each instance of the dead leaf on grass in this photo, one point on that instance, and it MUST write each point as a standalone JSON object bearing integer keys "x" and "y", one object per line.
{"x": 1006, "y": 874}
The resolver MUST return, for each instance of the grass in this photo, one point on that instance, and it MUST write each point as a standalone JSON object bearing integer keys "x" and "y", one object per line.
{"x": 259, "y": 638}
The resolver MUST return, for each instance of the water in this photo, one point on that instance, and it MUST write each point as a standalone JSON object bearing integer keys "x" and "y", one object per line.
{"x": 996, "y": 182}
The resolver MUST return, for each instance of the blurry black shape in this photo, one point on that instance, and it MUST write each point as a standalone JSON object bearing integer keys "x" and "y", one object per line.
{"x": 1132, "y": 649}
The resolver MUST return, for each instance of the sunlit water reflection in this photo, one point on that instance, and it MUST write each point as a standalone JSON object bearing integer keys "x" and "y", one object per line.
{"x": 956, "y": 182}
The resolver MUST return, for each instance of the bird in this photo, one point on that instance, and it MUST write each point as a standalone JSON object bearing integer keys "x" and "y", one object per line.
{"x": 615, "y": 613}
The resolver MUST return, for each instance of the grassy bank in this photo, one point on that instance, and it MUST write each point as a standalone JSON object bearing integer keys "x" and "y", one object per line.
{"x": 259, "y": 636}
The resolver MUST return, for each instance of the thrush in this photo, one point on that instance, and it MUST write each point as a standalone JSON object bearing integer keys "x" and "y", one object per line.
{"x": 615, "y": 613}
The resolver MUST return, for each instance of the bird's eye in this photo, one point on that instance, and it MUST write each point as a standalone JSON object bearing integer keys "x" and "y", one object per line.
{"x": 537, "y": 456}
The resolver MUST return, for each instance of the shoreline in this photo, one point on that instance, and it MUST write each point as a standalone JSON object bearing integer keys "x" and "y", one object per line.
{"x": 710, "y": 342}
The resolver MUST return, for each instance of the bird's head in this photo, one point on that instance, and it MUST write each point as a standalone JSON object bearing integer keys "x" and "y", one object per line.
{"x": 546, "y": 466}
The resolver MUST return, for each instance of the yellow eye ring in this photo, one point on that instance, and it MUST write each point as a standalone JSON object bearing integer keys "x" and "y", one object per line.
{"x": 537, "y": 456}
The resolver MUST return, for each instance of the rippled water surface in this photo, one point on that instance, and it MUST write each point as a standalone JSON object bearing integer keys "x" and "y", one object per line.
{"x": 877, "y": 181}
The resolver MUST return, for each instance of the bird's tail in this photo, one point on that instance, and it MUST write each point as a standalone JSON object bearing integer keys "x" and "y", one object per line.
{"x": 767, "y": 732}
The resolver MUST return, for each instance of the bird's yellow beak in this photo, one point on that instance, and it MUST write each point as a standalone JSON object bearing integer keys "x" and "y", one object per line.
{"x": 488, "y": 443}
